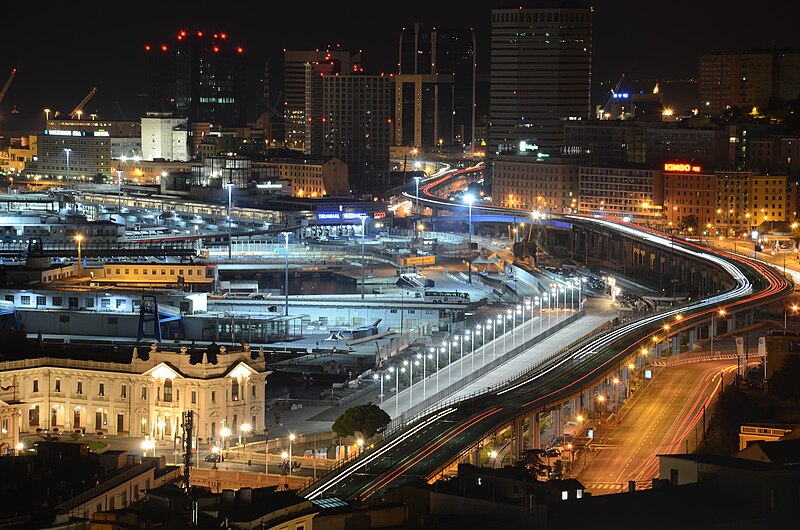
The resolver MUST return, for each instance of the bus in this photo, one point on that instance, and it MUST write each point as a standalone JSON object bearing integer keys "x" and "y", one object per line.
{"x": 446, "y": 297}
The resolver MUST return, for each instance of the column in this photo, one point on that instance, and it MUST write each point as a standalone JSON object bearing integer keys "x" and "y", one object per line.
{"x": 519, "y": 438}
{"x": 534, "y": 436}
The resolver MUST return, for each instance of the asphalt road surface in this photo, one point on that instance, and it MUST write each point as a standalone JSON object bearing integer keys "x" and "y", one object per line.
{"x": 661, "y": 419}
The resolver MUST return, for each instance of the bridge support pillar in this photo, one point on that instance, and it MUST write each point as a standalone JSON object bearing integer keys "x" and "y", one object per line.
{"x": 558, "y": 420}
{"x": 676, "y": 344}
{"x": 692, "y": 336}
{"x": 519, "y": 438}
{"x": 534, "y": 436}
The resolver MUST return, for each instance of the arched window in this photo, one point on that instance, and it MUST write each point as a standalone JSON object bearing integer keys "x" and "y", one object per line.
{"x": 234, "y": 389}
{"x": 168, "y": 390}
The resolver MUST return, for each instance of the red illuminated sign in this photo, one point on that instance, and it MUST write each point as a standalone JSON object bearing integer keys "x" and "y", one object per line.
{"x": 683, "y": 168}
{"x": 378, "y": 215}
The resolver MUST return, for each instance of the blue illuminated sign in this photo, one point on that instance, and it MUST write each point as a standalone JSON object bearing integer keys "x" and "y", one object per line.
{"x": 337, "y": 216}
{"x": 332, "y": 216}
{"x": 621, "y": 95}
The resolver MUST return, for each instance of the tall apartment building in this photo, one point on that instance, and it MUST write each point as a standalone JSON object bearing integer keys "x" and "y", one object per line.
{"x": 294, "y": 87}
{"x": 540, "y": 73}
{"x": 774, "y": 154}
{"x": 200, "y": 76}
{"x": 444, "y": 59}
{"x": 529, "y": 182}
{"x": 315, "y": 109}
{"x": 733, "y": 201}
{"x": 746, "y": 200}
{"x": 622, "y": 192}
{"x": 355, "y": 126}
{"x": 747, "y": 79}
{"x": 768, "y": 196}
{"x": 689, "y": 193}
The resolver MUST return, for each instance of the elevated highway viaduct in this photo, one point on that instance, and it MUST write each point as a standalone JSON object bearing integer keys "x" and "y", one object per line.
{"x": 721, "y": 286}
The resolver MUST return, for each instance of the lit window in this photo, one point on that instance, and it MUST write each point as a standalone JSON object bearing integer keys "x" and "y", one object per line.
{"x": 564, "y": 495}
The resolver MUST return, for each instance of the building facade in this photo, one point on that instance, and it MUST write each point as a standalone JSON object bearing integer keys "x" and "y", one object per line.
{"x": 690, "y": 196}
{"x": 637, "y": 193}
{"x": 313, "y": 178}
{"x": 294, "y": 87}
{"x": 734, "y": 201}
{"x": 530, "y": 182}
{"x": 540, "y": 74}
{"x": 9, "y": 426}
{"x": 747, "y": 79}
{"x": 165, "y": 138}
{"x": 423, "y": 110}
{"x": 768, "y": 198}
{"x": 144, "y": 397}
{"x": 356, "y": 127}
{"x": 200, "y": 76}
{"x": 439, "y": 53}
{"x": 84, "y": 148}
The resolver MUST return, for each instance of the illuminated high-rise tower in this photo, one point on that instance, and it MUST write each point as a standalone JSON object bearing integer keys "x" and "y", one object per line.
{"x": 540, "y": 73}
{"x": 200, "y": 76}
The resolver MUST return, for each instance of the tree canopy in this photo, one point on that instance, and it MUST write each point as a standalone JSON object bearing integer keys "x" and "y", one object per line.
{"x": 366, "y": 419}
{"x": 785, "y": 381}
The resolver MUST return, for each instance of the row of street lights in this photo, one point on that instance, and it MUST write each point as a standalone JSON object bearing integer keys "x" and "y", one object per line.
{"x": 479, "y": 333}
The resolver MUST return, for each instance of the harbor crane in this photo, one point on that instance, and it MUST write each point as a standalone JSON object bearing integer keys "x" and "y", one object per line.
{"x": 78, "y": 110}
{"x": 8, "y": 84}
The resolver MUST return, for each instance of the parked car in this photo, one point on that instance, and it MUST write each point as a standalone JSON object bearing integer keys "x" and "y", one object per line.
{"x": 213, "y": 457}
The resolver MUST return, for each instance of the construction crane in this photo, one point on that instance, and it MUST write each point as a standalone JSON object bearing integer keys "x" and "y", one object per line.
{"x": 77, "y": 111}
{"x": 614, "y": 90}
{"x": 8, "y": 84}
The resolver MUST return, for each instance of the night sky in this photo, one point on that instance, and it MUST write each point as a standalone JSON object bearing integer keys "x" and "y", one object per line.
{"x": 64, "y": 50}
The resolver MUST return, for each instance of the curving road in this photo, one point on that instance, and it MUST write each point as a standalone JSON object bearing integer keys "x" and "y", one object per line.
{"x": 661, "y": 420}
{"x": 428, "y": 444}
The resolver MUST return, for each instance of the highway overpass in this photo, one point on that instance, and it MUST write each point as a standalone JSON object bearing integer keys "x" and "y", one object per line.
{"x": 424, "y": 446}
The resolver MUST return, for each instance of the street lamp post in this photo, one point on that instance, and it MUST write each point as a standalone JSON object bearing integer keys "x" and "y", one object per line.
{"x": 469, "y": 199}
{"x": 424, "y": 374}
{"x": 794, "y": 309}
{"x": 713, "y": 330}
{"x": 449, "y": 360}
{"x": 416, "y": 206}
{"x": 244, "y": 430}
{"x": 67, "y": 151}
{"x": 291, "y": 439}
{"x": 494, "y": 337}
{"x": 397, "y": 390}
{"x": 286, "y": 279}
{"x": 230, "y": 235}
{"x": 214, "y": 451}
{"x": 224, "y": 433}
{"x": 363, "y": 224}
{"x": 147, "y": 444}
{"x": 119, "y": 191}
{"x": 79, "y": 239}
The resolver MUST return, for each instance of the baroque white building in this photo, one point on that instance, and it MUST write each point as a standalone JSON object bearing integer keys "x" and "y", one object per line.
{"x": 145, "y": 397}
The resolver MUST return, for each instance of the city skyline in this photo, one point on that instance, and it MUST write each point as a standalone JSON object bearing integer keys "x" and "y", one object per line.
{"x": 624, "y": 41}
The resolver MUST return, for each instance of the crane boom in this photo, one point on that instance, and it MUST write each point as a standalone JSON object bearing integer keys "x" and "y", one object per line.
{"x": 8, "y": 84}
{"x": 79, "y": 107}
